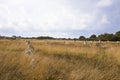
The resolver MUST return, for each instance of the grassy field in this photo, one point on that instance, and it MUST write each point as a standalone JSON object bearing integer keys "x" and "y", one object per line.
{"x": 59, "y": 60}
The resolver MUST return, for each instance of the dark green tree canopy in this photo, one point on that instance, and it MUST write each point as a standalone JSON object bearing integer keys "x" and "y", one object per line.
{"x": 117, "y": 34}
{"x": 82, "y": 38}
{"x": 103, "y": 37}
{"x": 93, "y": 37}
{"x": 106, "y": 37}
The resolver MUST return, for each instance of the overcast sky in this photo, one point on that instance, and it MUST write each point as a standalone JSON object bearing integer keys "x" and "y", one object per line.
{"x": 59, "y": 18}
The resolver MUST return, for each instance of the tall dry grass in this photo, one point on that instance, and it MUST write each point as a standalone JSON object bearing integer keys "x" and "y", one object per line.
{"x": 55, "y": 60}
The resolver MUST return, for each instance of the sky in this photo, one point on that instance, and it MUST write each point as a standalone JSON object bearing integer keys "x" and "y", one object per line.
{"x": 59, "y": 18}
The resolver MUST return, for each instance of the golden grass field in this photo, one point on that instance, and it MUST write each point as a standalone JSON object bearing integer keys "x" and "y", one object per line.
{"x": 59, "y": 60}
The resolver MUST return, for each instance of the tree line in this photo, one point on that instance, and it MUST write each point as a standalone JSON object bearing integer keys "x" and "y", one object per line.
{"x": 93, "y": 37}
{"x": 103, "y": 37}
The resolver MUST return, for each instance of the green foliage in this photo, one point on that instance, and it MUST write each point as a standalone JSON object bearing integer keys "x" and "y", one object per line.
{"x": 45, "y": 37}
{"x": 93, "y": 37}
{"x": 103, "y": 37}
{"x": 117, "y": 34}
{"x": 82, "y": 38}
{"x": 107, "y": 37}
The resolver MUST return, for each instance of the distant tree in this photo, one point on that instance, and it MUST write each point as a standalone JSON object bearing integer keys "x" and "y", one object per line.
{"x": 82, "y": 38}
{"x": 115, "y": 38}
{"x": 75, "y": 39}
{"x": 14, "y": 37}
{"x": 69, "y": 39}
{"x": 117, "y": 34}
{"x": 106, "y": 37}
{"x": 93, "y": 37}
{"x": 19, "y": 37}
{"x": 45, "y": 37}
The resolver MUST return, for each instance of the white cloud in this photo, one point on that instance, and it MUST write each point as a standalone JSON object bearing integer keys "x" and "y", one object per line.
{"x": 46, "y": 15}
{"x": 104, "y": 3}
{"x": 39, "y": 17}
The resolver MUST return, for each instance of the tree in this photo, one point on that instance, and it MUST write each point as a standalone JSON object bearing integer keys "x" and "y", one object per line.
{"x": 106, "y": 37}
{"x": 93, "y": 37}
{"x": 14, "y": 37}
{"x": 82, "y": 38}
{"x": 117, "y": 34}
{"x": 45, "y": 37}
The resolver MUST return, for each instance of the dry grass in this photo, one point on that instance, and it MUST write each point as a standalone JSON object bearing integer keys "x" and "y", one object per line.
{"x": 56, "y": 60}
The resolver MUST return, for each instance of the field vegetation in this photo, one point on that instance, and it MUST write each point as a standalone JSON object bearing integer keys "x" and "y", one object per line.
{"x": 59, "y": 60}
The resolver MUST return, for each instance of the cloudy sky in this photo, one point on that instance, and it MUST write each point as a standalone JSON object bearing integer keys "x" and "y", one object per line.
{"x": 59, "y": 18}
